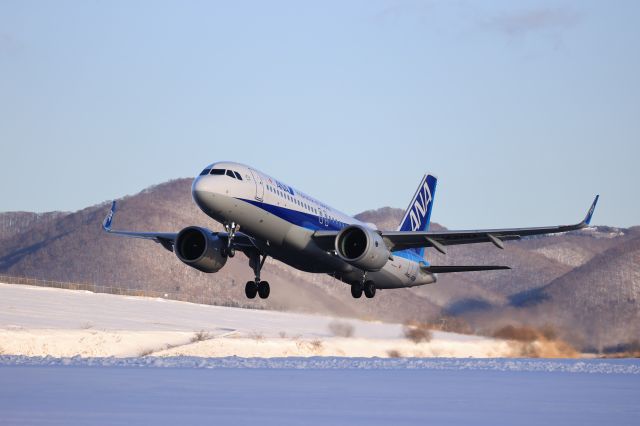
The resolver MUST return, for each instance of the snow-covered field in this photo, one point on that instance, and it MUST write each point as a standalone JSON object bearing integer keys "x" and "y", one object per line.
{"x": 36, "y": 321}
{"x": 73, "y": 358}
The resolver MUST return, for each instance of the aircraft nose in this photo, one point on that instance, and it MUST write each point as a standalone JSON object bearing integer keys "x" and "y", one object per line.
{"x": 199, "y": 189}
{"x": 197, "y": 184}
{"x": 204, "y": 191}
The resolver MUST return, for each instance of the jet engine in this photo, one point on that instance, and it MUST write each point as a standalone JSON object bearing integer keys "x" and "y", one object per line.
{"x": 201, "y": 249}
{"x": 362, "y": 248}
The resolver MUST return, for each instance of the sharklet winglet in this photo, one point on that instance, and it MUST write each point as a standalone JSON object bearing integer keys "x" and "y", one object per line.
{"x": 587, "y": 219}
{"x": 106, "y": 224}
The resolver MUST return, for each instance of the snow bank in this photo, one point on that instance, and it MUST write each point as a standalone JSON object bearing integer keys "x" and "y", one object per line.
{"x": 593, "y": 366}
{"x": 95, "y": 343}
{"x": 36, "y": 321}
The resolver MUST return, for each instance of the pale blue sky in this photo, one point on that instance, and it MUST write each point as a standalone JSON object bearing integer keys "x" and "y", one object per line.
{"x": 525, "y": 110}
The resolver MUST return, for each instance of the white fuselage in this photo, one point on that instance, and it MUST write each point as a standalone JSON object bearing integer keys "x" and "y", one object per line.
{"x": 282, "y": 220}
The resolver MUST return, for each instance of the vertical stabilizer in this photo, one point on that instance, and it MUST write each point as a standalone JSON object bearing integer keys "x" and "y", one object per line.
{"x": 418, "y": 214}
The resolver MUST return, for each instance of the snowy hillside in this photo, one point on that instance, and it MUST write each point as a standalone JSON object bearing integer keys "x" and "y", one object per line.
{"x": 71, "y": 247}
{"x": 37, "y": 321}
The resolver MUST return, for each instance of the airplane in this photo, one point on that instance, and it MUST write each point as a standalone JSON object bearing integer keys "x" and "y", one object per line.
{"x": 264, "y": 217}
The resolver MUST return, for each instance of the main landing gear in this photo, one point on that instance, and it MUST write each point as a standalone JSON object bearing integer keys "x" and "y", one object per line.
{"x": 368, "y": 288}
{"x": 260, "y": 288}
{"x": 257, "y": 287}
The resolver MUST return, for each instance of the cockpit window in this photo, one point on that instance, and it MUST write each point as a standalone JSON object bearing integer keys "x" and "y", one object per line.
{"x": 230, "y": 174}
{"x": 237, "y": 175}
{"x": 205, "y": 172}
{"x": 217, "y": 171}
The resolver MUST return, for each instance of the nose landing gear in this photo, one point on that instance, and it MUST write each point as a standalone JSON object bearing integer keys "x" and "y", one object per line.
{"x": 231, "y": 229}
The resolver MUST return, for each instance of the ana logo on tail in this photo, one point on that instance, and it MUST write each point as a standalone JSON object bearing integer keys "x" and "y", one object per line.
{"x": 419, "y": 209}
{"x": 418, "y": 214}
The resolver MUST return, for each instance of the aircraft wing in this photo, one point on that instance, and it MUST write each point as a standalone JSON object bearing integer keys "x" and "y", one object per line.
{"x": 397, "y": 240}
{"x": 167, "y": 240}
{"x": 402, "y": 240}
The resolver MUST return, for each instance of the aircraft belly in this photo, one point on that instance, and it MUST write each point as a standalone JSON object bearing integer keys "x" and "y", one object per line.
{"x": 274, "y": 236}
{"x": 400, "y": 273}
{"x": 386, "y": 278}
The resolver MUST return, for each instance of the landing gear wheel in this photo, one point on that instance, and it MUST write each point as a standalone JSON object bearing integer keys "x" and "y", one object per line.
{"x": 356, "y": 290}
{"x": 369, "y": 289}
{"x": 251, "y": 289}
{"x": 263, "y": 289}
{"x": 231, "y": 252}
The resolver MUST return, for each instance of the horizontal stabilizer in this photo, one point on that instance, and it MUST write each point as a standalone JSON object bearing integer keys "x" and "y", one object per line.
{"x": 446, "y": 269}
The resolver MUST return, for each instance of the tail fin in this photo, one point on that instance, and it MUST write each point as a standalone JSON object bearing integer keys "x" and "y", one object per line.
{"x": 418, "y": 214}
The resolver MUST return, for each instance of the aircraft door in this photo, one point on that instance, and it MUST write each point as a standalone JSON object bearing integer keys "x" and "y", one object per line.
{"x": 259, "y": 185}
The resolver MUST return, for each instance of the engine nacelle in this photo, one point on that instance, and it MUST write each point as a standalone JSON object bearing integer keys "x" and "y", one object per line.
{"x": 200, "y": 249}
{"x": 362, "y": 247}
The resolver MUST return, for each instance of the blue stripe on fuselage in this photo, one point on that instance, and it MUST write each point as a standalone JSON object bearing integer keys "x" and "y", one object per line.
{"x": 312, "y": 222}
{"x": 298, "y": 218}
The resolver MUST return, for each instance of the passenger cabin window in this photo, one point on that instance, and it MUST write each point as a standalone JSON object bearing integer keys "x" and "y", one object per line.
{"x": 217, "y": 171}
{"x": 230, "y": 174}
{"x": 205, "y": 172}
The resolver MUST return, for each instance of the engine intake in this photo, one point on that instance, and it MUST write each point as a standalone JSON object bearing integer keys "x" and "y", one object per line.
{"x": 362, "y": 247}
{"x": 201, "y": 249}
